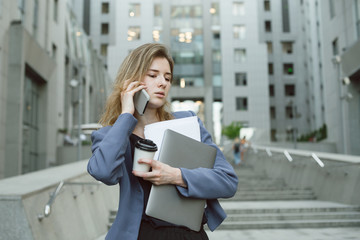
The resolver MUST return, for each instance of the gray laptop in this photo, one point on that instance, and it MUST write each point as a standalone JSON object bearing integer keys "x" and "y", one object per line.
{"x": 165, "y": 202}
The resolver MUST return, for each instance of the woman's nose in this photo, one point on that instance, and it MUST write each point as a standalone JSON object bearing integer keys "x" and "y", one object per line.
{"x": 162, "y": 81}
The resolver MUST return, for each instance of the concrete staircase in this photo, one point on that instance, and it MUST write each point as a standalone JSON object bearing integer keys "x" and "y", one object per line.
{"x": 263, "y": 203}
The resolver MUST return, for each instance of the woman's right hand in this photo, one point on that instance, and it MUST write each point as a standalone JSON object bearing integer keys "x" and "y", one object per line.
{"x": 127, "y": 97}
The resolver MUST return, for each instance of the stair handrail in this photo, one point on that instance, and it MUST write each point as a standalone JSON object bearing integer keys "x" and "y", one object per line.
{"x": 316, "y": 156}
{"x": 53, "y": 195}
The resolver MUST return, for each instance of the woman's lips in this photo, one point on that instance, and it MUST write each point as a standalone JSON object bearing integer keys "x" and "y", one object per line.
{"x": 160, "y": 94}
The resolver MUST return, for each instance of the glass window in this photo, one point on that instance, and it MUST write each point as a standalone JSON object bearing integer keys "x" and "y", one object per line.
{"x": 271, "y": 68}
{"x": 288, "y": 112}
{"x": 272, "y": 112}
{"x": 239, "y": 31}
{"x": 288, "y": 69}
{"x": 240, "y": 55}
{"x": 285, "y": 16}
{"x": 267, "y": 5}
{"x": 104, "y": 28}
{"x": 215, "y": 14}
{"x": 240, "y": 79}
{"x": 176, "y": 12}
{"x": 269, "y": 47}
{"x": 196, "y": 11}
{"x": 134, "y": 10}
{"x": 335, "y": 47}
{"x": 157, "y": 35}
{"x": 188, "y": 81}
{"x": 214, "y": 10}
{"x": 30, "y": 131}
{"x": 273, "y": 135}
{"x": 332, "y": 8}
{"x": 157, "y": 10}
{"x": 133, "y": 34}
{"x": 103, "y": 49}
{"x": 36, "y": 17}
{"x": 267, "y": 26}
{"x": 271, "y": 90}
{"x": 193, "y": 11}
{"x": 104, "y": 7}
{"x": 241, "y": 104}
{"x": 56, "y": 9}
{"x": 54, "y": 51}
{"x": 238, "y": 9}
{"x": 287, "y": 47}
{"x": 216, "y": 56}
{"x": 357, "y": 17}
{"x": 217, "y": 80}
{"x": 289, "y": 90}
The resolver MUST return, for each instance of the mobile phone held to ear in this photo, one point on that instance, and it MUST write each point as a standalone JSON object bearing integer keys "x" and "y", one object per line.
{"x": 141, "y": 100}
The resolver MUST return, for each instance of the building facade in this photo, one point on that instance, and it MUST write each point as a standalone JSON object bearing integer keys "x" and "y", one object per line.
{"x": 313, "y": 70}
{"x": 340, "y": 69}
{"x": 280, "y": 25}
{"x": 219, "y": 62}
{"x": 42, "y": 48}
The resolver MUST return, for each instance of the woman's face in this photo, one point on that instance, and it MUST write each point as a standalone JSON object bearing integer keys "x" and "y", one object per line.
{"x": 158, "y": 82}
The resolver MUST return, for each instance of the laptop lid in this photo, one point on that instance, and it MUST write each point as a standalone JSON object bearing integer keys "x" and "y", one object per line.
{"x": 165, "y": 202}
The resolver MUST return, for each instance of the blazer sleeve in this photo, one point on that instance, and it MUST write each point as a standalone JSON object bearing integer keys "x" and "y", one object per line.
{"x": 109, "y": 146}
{"x": 219, "y": 182}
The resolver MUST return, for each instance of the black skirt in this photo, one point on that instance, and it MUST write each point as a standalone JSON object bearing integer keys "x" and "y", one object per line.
{"x": 149, "y": 232}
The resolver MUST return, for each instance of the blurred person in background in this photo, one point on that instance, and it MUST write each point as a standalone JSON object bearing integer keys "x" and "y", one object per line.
{"x": 236, "y": 151}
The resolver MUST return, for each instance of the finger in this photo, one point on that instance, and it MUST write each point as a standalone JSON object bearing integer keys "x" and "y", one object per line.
{"x": 146, "y": 161}
{"x": 131, "y": 86}
{"x": 144, "y": 175}
{"x": 138, "y": 88}
{"x": 138, "y": 173}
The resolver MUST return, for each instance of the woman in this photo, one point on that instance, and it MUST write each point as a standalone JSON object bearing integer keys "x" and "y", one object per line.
{"x": 150, "y": 67}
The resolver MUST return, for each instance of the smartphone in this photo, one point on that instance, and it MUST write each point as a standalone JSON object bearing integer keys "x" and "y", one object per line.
{"x": 141, "y": 100}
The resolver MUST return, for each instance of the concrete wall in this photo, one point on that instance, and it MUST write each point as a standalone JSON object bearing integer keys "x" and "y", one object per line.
{"x": 69, "y": 154}
{"x": 337, "y": 181}
{"x": 80, "y": 211}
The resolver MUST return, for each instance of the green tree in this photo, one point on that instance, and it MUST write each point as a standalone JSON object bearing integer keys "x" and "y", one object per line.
{"x": 232, "y": 131}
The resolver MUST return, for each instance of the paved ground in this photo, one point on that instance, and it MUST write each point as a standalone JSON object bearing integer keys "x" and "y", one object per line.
{"x": 285, "y": 234}
{"x": 288, "y": 234}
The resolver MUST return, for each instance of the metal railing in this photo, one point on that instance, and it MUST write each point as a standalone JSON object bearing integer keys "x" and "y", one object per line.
{"x": 303, "y": 153}
{"x": 54, "y": 194}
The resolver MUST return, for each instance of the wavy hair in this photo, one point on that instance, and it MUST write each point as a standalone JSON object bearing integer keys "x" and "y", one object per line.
{"x": 134, "y": 68}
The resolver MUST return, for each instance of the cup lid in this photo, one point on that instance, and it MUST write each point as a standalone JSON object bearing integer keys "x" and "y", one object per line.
{"x": 146, "y": 145}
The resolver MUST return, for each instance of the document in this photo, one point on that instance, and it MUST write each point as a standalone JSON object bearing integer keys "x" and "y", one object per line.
{"x": 187, "y": 126}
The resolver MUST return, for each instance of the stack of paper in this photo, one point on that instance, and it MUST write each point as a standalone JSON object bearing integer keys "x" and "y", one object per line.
{"x": 187, "y": 126}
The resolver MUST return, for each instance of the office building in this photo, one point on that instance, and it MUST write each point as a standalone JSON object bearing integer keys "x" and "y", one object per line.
{"x": 42, "y": 49}
{"x": 219, "y": 61}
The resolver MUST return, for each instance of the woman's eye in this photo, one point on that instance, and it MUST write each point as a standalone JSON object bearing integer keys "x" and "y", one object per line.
{"x": 152, "y": 76}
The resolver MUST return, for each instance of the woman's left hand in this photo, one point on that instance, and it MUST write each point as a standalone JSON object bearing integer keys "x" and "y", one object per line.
{"x": 161, "y": 173}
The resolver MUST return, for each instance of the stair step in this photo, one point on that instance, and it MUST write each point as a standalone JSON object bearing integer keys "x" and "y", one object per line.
{"x": 275, "y": 192}
{"x": 271, "y": 197}
{"x": 272, "y": 188}
{"x": 290, "y": 224}
{"x": 292, "y": 210}
{"x": 292, "y": 216}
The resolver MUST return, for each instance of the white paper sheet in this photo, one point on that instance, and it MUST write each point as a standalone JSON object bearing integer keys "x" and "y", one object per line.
{"x": 187, "y": 126}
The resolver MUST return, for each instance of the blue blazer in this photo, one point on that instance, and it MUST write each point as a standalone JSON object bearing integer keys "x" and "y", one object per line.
{"x": 111, "y": 163}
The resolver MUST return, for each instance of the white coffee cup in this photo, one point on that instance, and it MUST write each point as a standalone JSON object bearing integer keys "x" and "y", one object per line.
{"x": 144, "y": 148}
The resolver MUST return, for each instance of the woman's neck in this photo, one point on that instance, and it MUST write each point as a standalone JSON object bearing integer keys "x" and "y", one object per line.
{"x": 150, "y": 116}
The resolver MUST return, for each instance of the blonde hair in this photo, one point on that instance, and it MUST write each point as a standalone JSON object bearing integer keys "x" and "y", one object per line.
{"x": 134, "y": 69}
